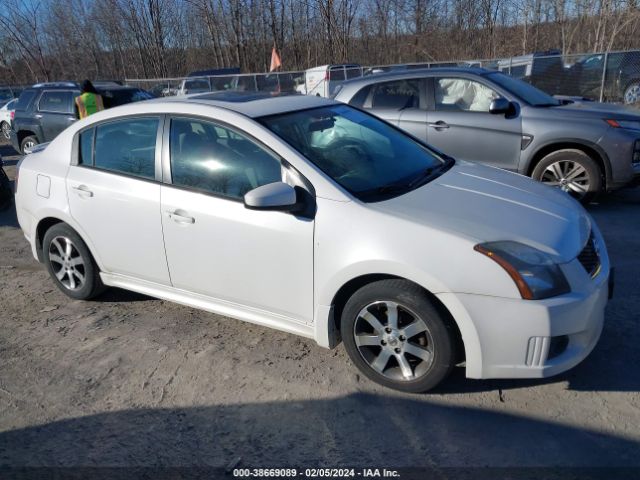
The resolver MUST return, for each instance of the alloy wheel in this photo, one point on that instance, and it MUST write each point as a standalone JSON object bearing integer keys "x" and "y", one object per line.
{"x": 394, "y": 341}
{"x": 569, "y": 176}
{"x": 6, "y": 128}
{"x": 29, "y": 145}
{"x": 67, "y": 264}
{"x": 632, "y": 95}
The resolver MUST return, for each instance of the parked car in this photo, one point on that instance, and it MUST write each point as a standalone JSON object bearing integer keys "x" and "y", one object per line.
{"x": 214, "y": 80}
{"x": 6, "y": 116}
{"x": 486, "y": 116}
{"x": 46, "y": 109}
{"x": 544, "y": 70}
{"x": 621, "y": 79}
{"x": 7, "y": 94}
{"x": 316, "y": 218}
{"x": 322, "y": 81}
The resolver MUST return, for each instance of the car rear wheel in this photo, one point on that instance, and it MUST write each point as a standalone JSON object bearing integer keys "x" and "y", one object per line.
{"x": 6, "y": 128}
{"x": 396, "y": 337}
{"x": 28, "y": 143}
{"x": 632, "y": 93}
{"x": 70, "y": 263}
{"x": 572, "y": 171}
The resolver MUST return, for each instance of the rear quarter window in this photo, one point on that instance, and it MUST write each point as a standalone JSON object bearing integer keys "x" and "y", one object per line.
{"x": 25, "y": 100}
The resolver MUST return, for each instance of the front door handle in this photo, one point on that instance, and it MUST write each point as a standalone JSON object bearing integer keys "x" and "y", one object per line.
{"x": 83, "y": 191}
{"x": 439, "y": 125}
{"x": 179, "y": 216}
{"x": 71, "y": 119}
{"x": 38, "y": 116}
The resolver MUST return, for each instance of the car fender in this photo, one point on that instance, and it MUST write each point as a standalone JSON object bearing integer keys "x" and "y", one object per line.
{"x": 529, "y": 154}
{"x": 325, "y": 325}
{"x": 64, "y": 215}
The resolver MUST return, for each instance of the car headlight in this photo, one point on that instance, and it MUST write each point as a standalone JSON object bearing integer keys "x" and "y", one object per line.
{"x": 534, "y": 272}
{"x": 628, "y": 124}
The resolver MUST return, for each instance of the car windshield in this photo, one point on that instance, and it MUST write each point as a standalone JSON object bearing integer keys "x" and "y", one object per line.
{"x": 369, "y": 158}
{"x": 524, "y": 90}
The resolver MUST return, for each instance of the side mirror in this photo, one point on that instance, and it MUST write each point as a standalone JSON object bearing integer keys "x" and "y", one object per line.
{"x": 500, "y": 106}
{"x": 273, "y": 196}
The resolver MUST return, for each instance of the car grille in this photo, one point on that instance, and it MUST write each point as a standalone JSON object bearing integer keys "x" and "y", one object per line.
{"x": 590, "y": 257}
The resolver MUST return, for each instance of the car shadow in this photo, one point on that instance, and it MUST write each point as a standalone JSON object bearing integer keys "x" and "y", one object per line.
{"x": 8, "y": 217}
{"x": 359, "y": 430}
{"x": 6, "y": 150}
{"x": 118, "y": 295}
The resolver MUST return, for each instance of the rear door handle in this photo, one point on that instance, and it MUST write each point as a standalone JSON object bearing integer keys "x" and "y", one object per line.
{"x": 37, "y": 115}
{"x": 71, "y": 119}
{"x": 439, "y": 125}
{"x": 83, "y": 191}
{"x": 179, "y": 217}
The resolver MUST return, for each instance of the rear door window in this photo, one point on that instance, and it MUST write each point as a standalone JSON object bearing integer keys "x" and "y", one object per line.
{"x": 124, "y": 146}
{"x": 56, "y": 102}
{"x": 397, "y": 95}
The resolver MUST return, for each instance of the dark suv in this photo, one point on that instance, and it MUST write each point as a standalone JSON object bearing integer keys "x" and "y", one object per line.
{"x": 46, "y": 109}
{"x": 621, "y": 79}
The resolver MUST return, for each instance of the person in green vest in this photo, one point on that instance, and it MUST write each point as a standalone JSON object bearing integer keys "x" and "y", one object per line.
{"x": 89, "y": 101}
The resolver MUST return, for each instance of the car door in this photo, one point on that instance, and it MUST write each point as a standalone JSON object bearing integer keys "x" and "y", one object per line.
{"x": 114, "y": 196}
{"x": 400, "y": 102}
{"x": 217, "y": 247}
{"x": 460, "y": 125}
{"x": 55, "y": 112}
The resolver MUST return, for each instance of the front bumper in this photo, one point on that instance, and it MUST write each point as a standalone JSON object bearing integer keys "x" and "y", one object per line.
{"x": 620, "y": 145}
{"x": 518, "y": 337}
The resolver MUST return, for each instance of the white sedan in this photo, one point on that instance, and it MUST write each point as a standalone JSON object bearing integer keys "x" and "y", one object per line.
{"x": 5, "y": 117}
{"x": 312, "y": 217}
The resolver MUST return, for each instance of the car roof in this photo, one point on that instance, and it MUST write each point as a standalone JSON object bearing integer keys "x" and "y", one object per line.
{"x": 54, "y": 86}
{"x": 253, "y": 104}
{"x": 410, "y": 73}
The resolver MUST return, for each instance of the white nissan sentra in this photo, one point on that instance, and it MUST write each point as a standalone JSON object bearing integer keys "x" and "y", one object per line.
{"x": 315, "y": 218}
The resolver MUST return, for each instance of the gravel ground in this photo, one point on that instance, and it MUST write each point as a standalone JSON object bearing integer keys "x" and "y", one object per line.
{"x": 129, "y": 380}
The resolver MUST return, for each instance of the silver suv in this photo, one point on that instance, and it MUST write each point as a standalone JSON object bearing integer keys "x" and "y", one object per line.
{"x": 482, "y": 115}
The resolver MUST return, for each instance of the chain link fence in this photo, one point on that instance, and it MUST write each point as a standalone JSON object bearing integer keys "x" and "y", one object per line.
{"x": 606, "y": 77}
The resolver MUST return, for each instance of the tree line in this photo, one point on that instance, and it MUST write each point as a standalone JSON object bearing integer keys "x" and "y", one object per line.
{"x": 46, "y": 40}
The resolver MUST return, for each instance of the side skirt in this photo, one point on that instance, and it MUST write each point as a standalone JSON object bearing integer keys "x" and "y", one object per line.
{"x": 220, "y": 307}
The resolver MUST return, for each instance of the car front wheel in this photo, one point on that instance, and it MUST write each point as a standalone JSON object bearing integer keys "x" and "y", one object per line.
{"x": 396, "y": 337}
{"x": 70, "y": 263}
{"x": 572, "y": 171}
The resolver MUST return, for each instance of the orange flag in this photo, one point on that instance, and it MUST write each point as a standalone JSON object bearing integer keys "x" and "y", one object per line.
{"x": 275, "y": 60}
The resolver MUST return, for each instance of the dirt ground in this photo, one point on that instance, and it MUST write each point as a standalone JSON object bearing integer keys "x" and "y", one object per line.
{"x": 129, "y": 380}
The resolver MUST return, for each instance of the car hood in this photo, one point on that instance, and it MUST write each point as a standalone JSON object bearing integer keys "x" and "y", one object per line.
{"x": 599, "y": 109}
{"x": 487, "y": 204}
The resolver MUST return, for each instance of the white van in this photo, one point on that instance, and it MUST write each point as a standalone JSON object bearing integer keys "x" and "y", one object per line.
{"x": 322, "y": 81}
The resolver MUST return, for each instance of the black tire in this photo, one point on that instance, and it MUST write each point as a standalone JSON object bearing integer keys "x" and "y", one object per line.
{"x": 4, "y": 129}
{"x": 26, "y": 140}
{"x": 565, "y": 160}
{"x": 412, "y": 299}
{"x": 92, "y": 285}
